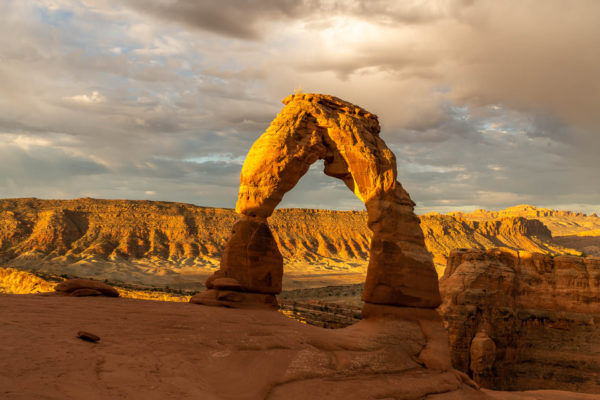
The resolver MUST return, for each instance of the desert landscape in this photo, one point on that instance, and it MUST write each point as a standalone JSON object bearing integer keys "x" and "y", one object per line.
{"x": 508, "y": 291}
{"x": 299, "y": 199}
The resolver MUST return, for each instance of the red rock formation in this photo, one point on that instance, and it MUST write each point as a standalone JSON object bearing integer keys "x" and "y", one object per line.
{"x": 444, "y": 233}
{"x": 540, "y": 312}
{"x": 346, "y": 137}
{"x": 251, "y": 258}
{"x": 85, "y": 287}
{"x": 559, "y": 222}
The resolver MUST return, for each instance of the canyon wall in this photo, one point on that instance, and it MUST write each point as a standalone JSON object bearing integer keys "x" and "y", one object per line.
{"x": 569, "y": 229}
{"x": 521, "y": 320}
{"x": 444, "y": 233}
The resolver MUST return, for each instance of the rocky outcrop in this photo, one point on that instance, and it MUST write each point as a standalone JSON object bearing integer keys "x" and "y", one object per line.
{"x": 400, "y": 271}
{"x": 85, "y": 287}
{"x": 520, "y": 320}
{"x": 312, "y": 127}
{"x": 560, "y": 222}
{"x": 444, "y": 233}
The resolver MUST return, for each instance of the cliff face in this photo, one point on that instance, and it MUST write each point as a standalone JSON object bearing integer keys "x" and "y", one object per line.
{"x": 520, "y": 320}
{"x": 569, "y": 229}
{"x": 134, "y": 229}
{"x": 174, "y": 244}
{"x": 559, "y": 222}
{"x": 444, "y": 233}
{"x": 160, "y": 243}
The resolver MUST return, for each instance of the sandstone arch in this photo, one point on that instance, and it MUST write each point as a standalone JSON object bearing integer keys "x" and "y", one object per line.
{"x": 312, "y": 127}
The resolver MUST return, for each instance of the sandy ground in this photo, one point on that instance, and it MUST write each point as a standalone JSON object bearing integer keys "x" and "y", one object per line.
{"x": 160, "y": 350}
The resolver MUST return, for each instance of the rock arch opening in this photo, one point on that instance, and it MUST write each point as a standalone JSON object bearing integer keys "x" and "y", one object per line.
{"x": 312, "y": 127}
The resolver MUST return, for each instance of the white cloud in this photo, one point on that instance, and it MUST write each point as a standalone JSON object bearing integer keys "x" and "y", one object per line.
{"x": 93, "y": 98}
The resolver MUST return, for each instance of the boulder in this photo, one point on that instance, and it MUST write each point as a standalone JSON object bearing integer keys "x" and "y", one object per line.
{"x": 235, "y": 299}
{"x": 85, "y": 287}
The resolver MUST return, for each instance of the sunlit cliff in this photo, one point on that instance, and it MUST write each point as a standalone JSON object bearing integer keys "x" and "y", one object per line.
{"x": 177, "y": 245}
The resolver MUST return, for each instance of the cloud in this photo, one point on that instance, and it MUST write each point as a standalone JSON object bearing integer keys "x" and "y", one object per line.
{"x": 234, "y": 18}
{"x": 94, "y": 97}
{"x": 27, "y": 163}
{"x": 485, "y": 103}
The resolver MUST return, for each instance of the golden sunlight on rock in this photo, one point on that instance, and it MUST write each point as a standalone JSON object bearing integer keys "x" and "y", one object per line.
{"x": 312, "y": 127}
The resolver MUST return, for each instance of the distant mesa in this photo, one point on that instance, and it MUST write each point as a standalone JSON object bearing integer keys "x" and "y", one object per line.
{"x": 315, "y": 127}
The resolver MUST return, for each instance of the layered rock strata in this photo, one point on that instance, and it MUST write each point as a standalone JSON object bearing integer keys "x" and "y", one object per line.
{"x": 520, "y": 320}
{"x": 178, "y": 245}
{"x": 312, "y": 127}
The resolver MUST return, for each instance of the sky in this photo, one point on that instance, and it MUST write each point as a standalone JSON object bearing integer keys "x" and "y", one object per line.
{"x": 486, "y": 104}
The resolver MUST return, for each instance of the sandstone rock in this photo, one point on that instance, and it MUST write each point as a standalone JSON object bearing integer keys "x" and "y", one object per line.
{"x": 435, "y": 354}
{"x": 235, "y": 299}
{"x": 483, "y": 354}
{"x": 71, "y": 286}
{"x": 312, "y": 127}
{"x": 192, "y": 352}
{"x": 444, "y": 233}
{"x": 540, "y": 313}
{"x": 251, "y": 257}
{"x": 225, "y": 284}
{"x": 87, "y": 336}
{"x": 85, "y": 292}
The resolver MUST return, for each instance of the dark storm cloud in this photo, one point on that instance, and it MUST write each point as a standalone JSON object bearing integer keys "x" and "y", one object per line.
{"x": 240, "y": 19}
{"x": 36, "y": 163}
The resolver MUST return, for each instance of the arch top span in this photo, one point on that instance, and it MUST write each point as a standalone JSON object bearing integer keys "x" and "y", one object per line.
{"x": 308, "y": 128}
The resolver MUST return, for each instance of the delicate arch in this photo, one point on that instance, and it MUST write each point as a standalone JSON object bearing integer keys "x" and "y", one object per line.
{"x": 312, "y": 127}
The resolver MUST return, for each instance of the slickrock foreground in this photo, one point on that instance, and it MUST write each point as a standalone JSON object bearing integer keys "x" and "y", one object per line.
{"x": 161, "y": 350}
{"x": 315, "y": 127}
{"x": 520, "y": 320}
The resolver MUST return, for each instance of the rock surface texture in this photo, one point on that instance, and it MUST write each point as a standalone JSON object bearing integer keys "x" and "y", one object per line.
{"x": 312, "y": 127}
{"x": 520, "y": 320}
{"x": 161, "y": 350}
